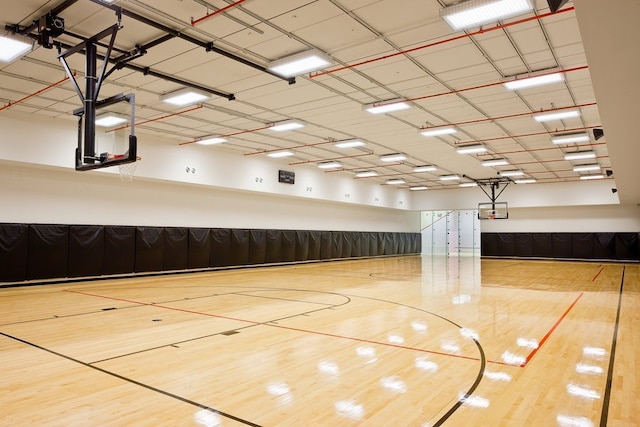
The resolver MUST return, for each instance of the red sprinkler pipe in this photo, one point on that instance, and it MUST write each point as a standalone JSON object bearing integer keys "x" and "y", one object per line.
{"x": 59, "y": 82}
{"x": 158, "y": 118}
{"x": 230, "y": 134}
{"x": 215, "y": 12}
{"x": 460, "y": 37}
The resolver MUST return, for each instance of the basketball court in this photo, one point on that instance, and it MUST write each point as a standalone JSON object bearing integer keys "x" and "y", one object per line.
{"x": 416, "y": 341}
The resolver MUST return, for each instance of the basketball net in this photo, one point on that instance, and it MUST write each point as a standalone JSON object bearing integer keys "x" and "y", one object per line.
{"x": 127, "y": 171}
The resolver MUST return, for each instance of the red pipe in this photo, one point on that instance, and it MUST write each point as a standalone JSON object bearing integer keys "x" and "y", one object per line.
{"x": 541, "y": 149}
{"x": 232, "y": 134}
{"x": 215, "y": 12}
{"x": 584, "y": 67}
{"x": 462, "y": 36}
{"x": 330, "y": 160}
{"x": 509, "y": 116}
{"x": 290, "y": 148}
{"x": 157, "y": 118}
{"x": 11, "y": 104}
{"x": 524, "y": 135}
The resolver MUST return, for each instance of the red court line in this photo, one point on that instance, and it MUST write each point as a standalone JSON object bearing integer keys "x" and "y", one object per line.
{"x": 553, "y": 328}
{"x": 326, "y": 334}
{"x": 597, "y": 274}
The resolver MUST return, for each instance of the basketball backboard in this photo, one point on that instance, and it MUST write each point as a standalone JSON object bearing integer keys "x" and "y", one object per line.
{"x": 493, "y": 210}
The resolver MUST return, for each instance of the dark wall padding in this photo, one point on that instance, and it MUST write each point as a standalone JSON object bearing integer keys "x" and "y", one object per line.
{"x": 149, "y": 249}
{"x": 48, "y": 251}
{"x": 257, "y": 247}
{"x": 119, "y": 249}
{"x": 586, "y": 246}
{"x": 14, "y": 247}
{"x": 175, "y": 253}
{"x": 40, "y": 251}
{"x": 86, "y": 250}
{"x": 199, "y": 248}
{"x": 220, "y": 247}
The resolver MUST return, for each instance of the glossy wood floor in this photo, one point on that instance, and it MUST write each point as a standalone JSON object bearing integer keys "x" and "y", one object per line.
{"x": 407, "y": 341}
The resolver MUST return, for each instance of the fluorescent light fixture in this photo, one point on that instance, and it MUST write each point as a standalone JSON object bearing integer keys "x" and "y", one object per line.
{"x": 300, "y": 63}
{"x": 570, "y": 138}
{"x": 474, "y": 13}
{"x": 449, "y": 178}
{"x": 286, "y": 125}
{"x": 588, "y": 177}
{"x": 495, "y": 162}
{"x": 366, "y": 174}
{"x": 472, "y": 149}
{"x": 186, "y": 96}
{"x": 396, "y": 157}
{"x": 561, "y": 115}
{"x": 418, "y": 188}
{"x": 525, "y": 181}
{"x": 110, "y": 119}
{"x": 438, "y": 131}
{"x": 579, "y": 155}
{"x": 387, "y": 106}
{"x": 211, "y": 140}
{"x": 511, "y": 173}
{"x": 13, "y": 46}
{"x": 279, "y": 154}
{"x": 468, "y": 184}
{"x": 525, "y": 83}
{"x": 350, "y": 143}
{"x": 329, "y": 165}
{"x": 425, "y": 168}
{"x": 395, "y": 181}
{"x": 586, "y": 168}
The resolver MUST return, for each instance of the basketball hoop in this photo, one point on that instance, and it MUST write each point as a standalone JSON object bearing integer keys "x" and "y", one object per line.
{"x": 491, "y": 215}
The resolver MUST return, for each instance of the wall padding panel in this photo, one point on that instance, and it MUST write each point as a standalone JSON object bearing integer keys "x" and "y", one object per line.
{"x": 50, "y": 251}
{"x": 585, "y": 246}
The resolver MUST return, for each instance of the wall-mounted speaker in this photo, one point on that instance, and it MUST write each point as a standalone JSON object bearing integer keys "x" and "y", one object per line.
{"x": 554, "y": 5}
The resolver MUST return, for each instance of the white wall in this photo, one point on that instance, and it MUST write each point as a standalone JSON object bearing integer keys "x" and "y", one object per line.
{"x": 611, "y": 218}
{"x": 39, "y": 185}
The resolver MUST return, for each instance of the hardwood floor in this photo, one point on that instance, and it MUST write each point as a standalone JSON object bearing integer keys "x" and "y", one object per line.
{"x": 403, "y": 341}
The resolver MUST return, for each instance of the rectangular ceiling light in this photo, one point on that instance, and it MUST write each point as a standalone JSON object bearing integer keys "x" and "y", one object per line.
{"x": 472, "y": 149}
{"x": 425, "y": 168}
{"x": 395, "y": 181}
{"x": 387, "y": 106}
{"x": 512, "y": 173}
{"x": 587, "y": 177}
{"x": 579, "y": 155}
{"x": 286, "y": 125}
{"x": 211, "y": 140}
{"x": 495, "y": 162}
{"x": 561, "y": 115}
{"x": 528, "y": 82}
{"x": 329, "y": 165}
{"x": 474, "y": 13}
{"x": 525, "y": 181}
{"x": 300, "y": 63}
{"x": 468, "y": 184}
{"x": 449, "y": 178}
{"x": 186, "y": 96}
{"x": 396, "y": 157}
{"x": 350, "y": 143}
{"x": 570, "y": 138}
{"x": 13, "y": 46}
{"x": 586, "y": 168}
{"x": 110, "y": 119}
{"x": 418, "y": 188}
{"x": 366, "y": 174}
{"x": 279, "y": 154}
{"x": 439, "y": 131}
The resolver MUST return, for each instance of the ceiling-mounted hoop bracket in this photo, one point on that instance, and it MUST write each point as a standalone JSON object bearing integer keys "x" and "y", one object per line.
{"x": 493, "y": 184}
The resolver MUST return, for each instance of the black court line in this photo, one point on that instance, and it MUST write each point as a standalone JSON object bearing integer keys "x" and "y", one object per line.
{"x": 132, "y": 381}
{"x": 483, "y": 360}
{"x": 614, "y": 343}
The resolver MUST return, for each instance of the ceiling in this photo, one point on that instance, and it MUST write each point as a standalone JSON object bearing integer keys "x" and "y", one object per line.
{"x": 382, "y": 49}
